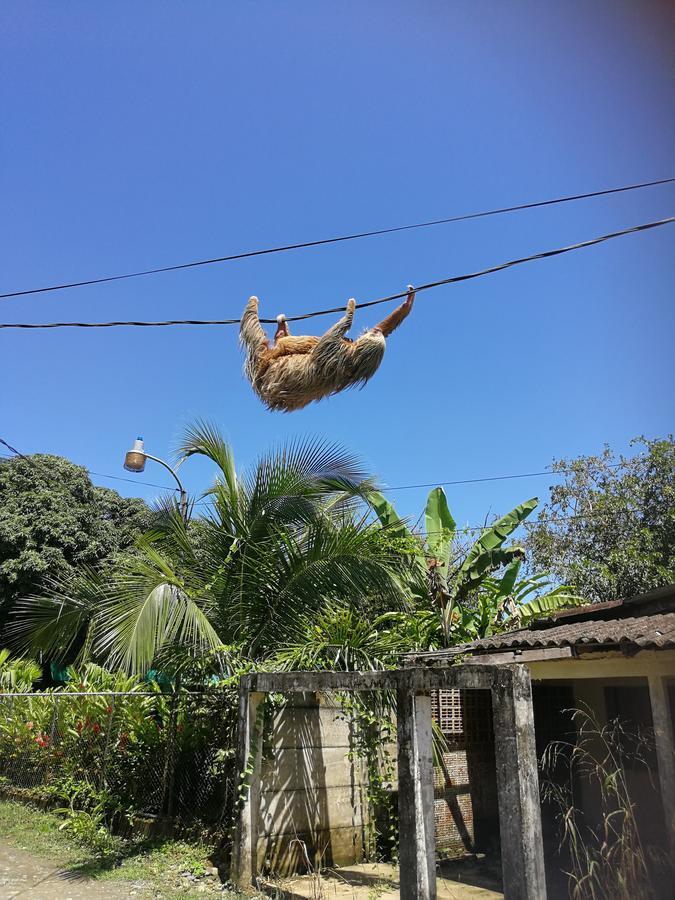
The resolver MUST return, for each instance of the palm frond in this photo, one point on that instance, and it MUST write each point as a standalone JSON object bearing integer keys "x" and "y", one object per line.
{"x": 58, "y": 621}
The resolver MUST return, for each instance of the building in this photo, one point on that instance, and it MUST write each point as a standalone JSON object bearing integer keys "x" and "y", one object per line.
{"x": 615, "y": 660}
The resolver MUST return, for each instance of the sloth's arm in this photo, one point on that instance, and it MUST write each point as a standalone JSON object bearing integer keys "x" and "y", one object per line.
{"x": 395, "y": 318}
{"x": 250, "y": 330}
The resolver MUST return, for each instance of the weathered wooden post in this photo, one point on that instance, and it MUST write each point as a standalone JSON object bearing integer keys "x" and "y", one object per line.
{"x": 518, "y": 785}
{"x": 417, "y": 843}
{"x": 244, "y": 867}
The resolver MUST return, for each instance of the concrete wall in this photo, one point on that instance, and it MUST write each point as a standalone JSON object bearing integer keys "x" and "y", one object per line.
{"x": 313, "y": 794}
{"x": 311, "y": 791}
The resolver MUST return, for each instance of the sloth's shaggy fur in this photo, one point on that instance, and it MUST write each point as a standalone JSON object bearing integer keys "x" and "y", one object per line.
{"x": 295, "y": 370}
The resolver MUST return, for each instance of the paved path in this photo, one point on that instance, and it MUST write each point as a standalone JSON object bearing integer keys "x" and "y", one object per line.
{"x": 24, "y": 876}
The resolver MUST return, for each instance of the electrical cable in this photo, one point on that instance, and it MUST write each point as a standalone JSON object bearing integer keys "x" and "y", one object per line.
{"x": 164, "y": 487}
{"x": 466, "y": 530}
{"x": 334, "y": 240}
{"x": 455, "y": 279}
{"x": 400, "y": 487}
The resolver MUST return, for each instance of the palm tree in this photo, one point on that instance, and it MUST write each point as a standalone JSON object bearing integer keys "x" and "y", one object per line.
{"x": 275, "y": 547}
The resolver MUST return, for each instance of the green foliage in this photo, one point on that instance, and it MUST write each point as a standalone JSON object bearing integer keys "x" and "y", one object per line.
{"x": 609, "y": 528}
{"x": 437, "y": 590}
{"x": 508, "y": 602}
{"x": 372, "y": 730}
{"x": 17, "y": 674}
{"x": 276, "y": 545}
{"x": 341, "y": 638}
{"x": 607, "y": 856}
{"x": 53, "y": 519}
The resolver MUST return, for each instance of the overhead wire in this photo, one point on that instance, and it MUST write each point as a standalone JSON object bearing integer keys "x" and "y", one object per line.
{"x": 455, "y": 279}
{"x": 165, "y": 487}
{"x": 389, "y": 489}
{"x": 340, "y": 238}
{"x": 464, "y": 530}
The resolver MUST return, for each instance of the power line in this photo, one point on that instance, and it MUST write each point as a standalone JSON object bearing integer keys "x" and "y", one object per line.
{"x": 455, "y": 279}
{"x": 12, "y": 449}
{"x": 466, "y": 530}
{"x": 400, "y": 487}
{"x": 553, "y": 520}
{"x": 165, "y": 487}
{"x": 334, "y": 240}
{"x": 433, "y": 484}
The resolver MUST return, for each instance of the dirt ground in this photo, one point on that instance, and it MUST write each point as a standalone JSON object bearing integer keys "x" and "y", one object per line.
{"x": 464, "y": 880}
{"x": 24, "y": 876}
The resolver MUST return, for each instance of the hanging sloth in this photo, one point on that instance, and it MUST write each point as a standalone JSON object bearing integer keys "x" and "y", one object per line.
{"x": 297, "y": 369}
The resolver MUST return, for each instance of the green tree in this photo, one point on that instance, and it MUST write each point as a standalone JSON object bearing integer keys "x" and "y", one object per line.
{"x": 276, "y": 546}
{"x": 53, "y": 520}
{"x": 609, "y": 527}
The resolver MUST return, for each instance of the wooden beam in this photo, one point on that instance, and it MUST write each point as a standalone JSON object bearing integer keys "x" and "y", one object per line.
{"x": 509, "y": 657}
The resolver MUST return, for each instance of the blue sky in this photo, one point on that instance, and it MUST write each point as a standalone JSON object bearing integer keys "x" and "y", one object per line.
{"x": 138, "y": 135}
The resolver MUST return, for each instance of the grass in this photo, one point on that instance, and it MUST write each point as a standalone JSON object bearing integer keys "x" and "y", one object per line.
{"x": 155, "y": 869}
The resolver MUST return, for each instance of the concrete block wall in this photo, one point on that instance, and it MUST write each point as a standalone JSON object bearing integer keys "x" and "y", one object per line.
{"x": 313, "y": 796}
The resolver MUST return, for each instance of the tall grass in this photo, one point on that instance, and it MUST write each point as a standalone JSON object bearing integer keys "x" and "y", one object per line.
{"x": 607, "y": 858}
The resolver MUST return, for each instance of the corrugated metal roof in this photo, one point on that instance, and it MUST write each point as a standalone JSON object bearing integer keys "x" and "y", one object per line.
{"x": 646, "y": 632}
{"x": 598, "y": 625}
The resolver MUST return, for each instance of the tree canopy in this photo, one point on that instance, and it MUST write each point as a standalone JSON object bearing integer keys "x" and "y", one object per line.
{"x": 609, "y": 528}
{"x": 54, "y": 520}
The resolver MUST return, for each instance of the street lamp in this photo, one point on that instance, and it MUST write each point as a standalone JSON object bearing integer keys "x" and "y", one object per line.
{"x": 134, "y": 461}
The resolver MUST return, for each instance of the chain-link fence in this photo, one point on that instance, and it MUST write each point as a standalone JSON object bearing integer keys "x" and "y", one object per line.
{"x": 136, "y": 753}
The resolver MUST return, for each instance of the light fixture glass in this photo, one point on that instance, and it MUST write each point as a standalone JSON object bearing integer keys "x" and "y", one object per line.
{"x": 134, "y": 461}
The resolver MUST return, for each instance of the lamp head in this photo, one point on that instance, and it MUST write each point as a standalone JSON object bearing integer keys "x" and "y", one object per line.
{"x": 134, "y": 461}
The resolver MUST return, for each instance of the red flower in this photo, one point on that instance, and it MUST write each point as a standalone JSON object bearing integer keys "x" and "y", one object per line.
{"x": 96, "y": 728}
{"x": 42, "y": 740}
{"x": 108, "y": 709}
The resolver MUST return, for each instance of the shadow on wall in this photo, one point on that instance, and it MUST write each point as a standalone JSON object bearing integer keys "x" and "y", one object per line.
{"x": 313, "y": 808}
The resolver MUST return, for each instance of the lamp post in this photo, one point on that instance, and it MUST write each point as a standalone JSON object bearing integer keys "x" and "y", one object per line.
{"x": 134, "y": 461}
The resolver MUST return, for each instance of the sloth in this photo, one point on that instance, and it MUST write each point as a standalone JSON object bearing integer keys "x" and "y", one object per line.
{"x": 298, "y": 369}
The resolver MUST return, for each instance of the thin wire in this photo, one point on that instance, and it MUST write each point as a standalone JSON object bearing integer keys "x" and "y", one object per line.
{"x": 12, "y": 449}
{"x": 455, "y": 279}
{"x": 466, "y": 530}
{"x": 335, "y": 240}
{"x": 165, "y": 487}
{"x": 550, "y": 519}
{"x": 400, "y": 487}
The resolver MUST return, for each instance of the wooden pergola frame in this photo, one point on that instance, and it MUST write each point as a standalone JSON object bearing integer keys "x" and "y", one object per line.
{"x": 517, "y": 779}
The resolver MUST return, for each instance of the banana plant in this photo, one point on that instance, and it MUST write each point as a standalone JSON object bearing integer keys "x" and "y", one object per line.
{"x": 445, "y": 587}
{"x": 509, "y": 602}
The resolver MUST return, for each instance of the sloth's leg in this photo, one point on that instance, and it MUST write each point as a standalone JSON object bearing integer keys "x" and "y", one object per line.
{"x": 336, "y": 332}
{"x": 282, "y": 328}
{"x": 395, "y": 318}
